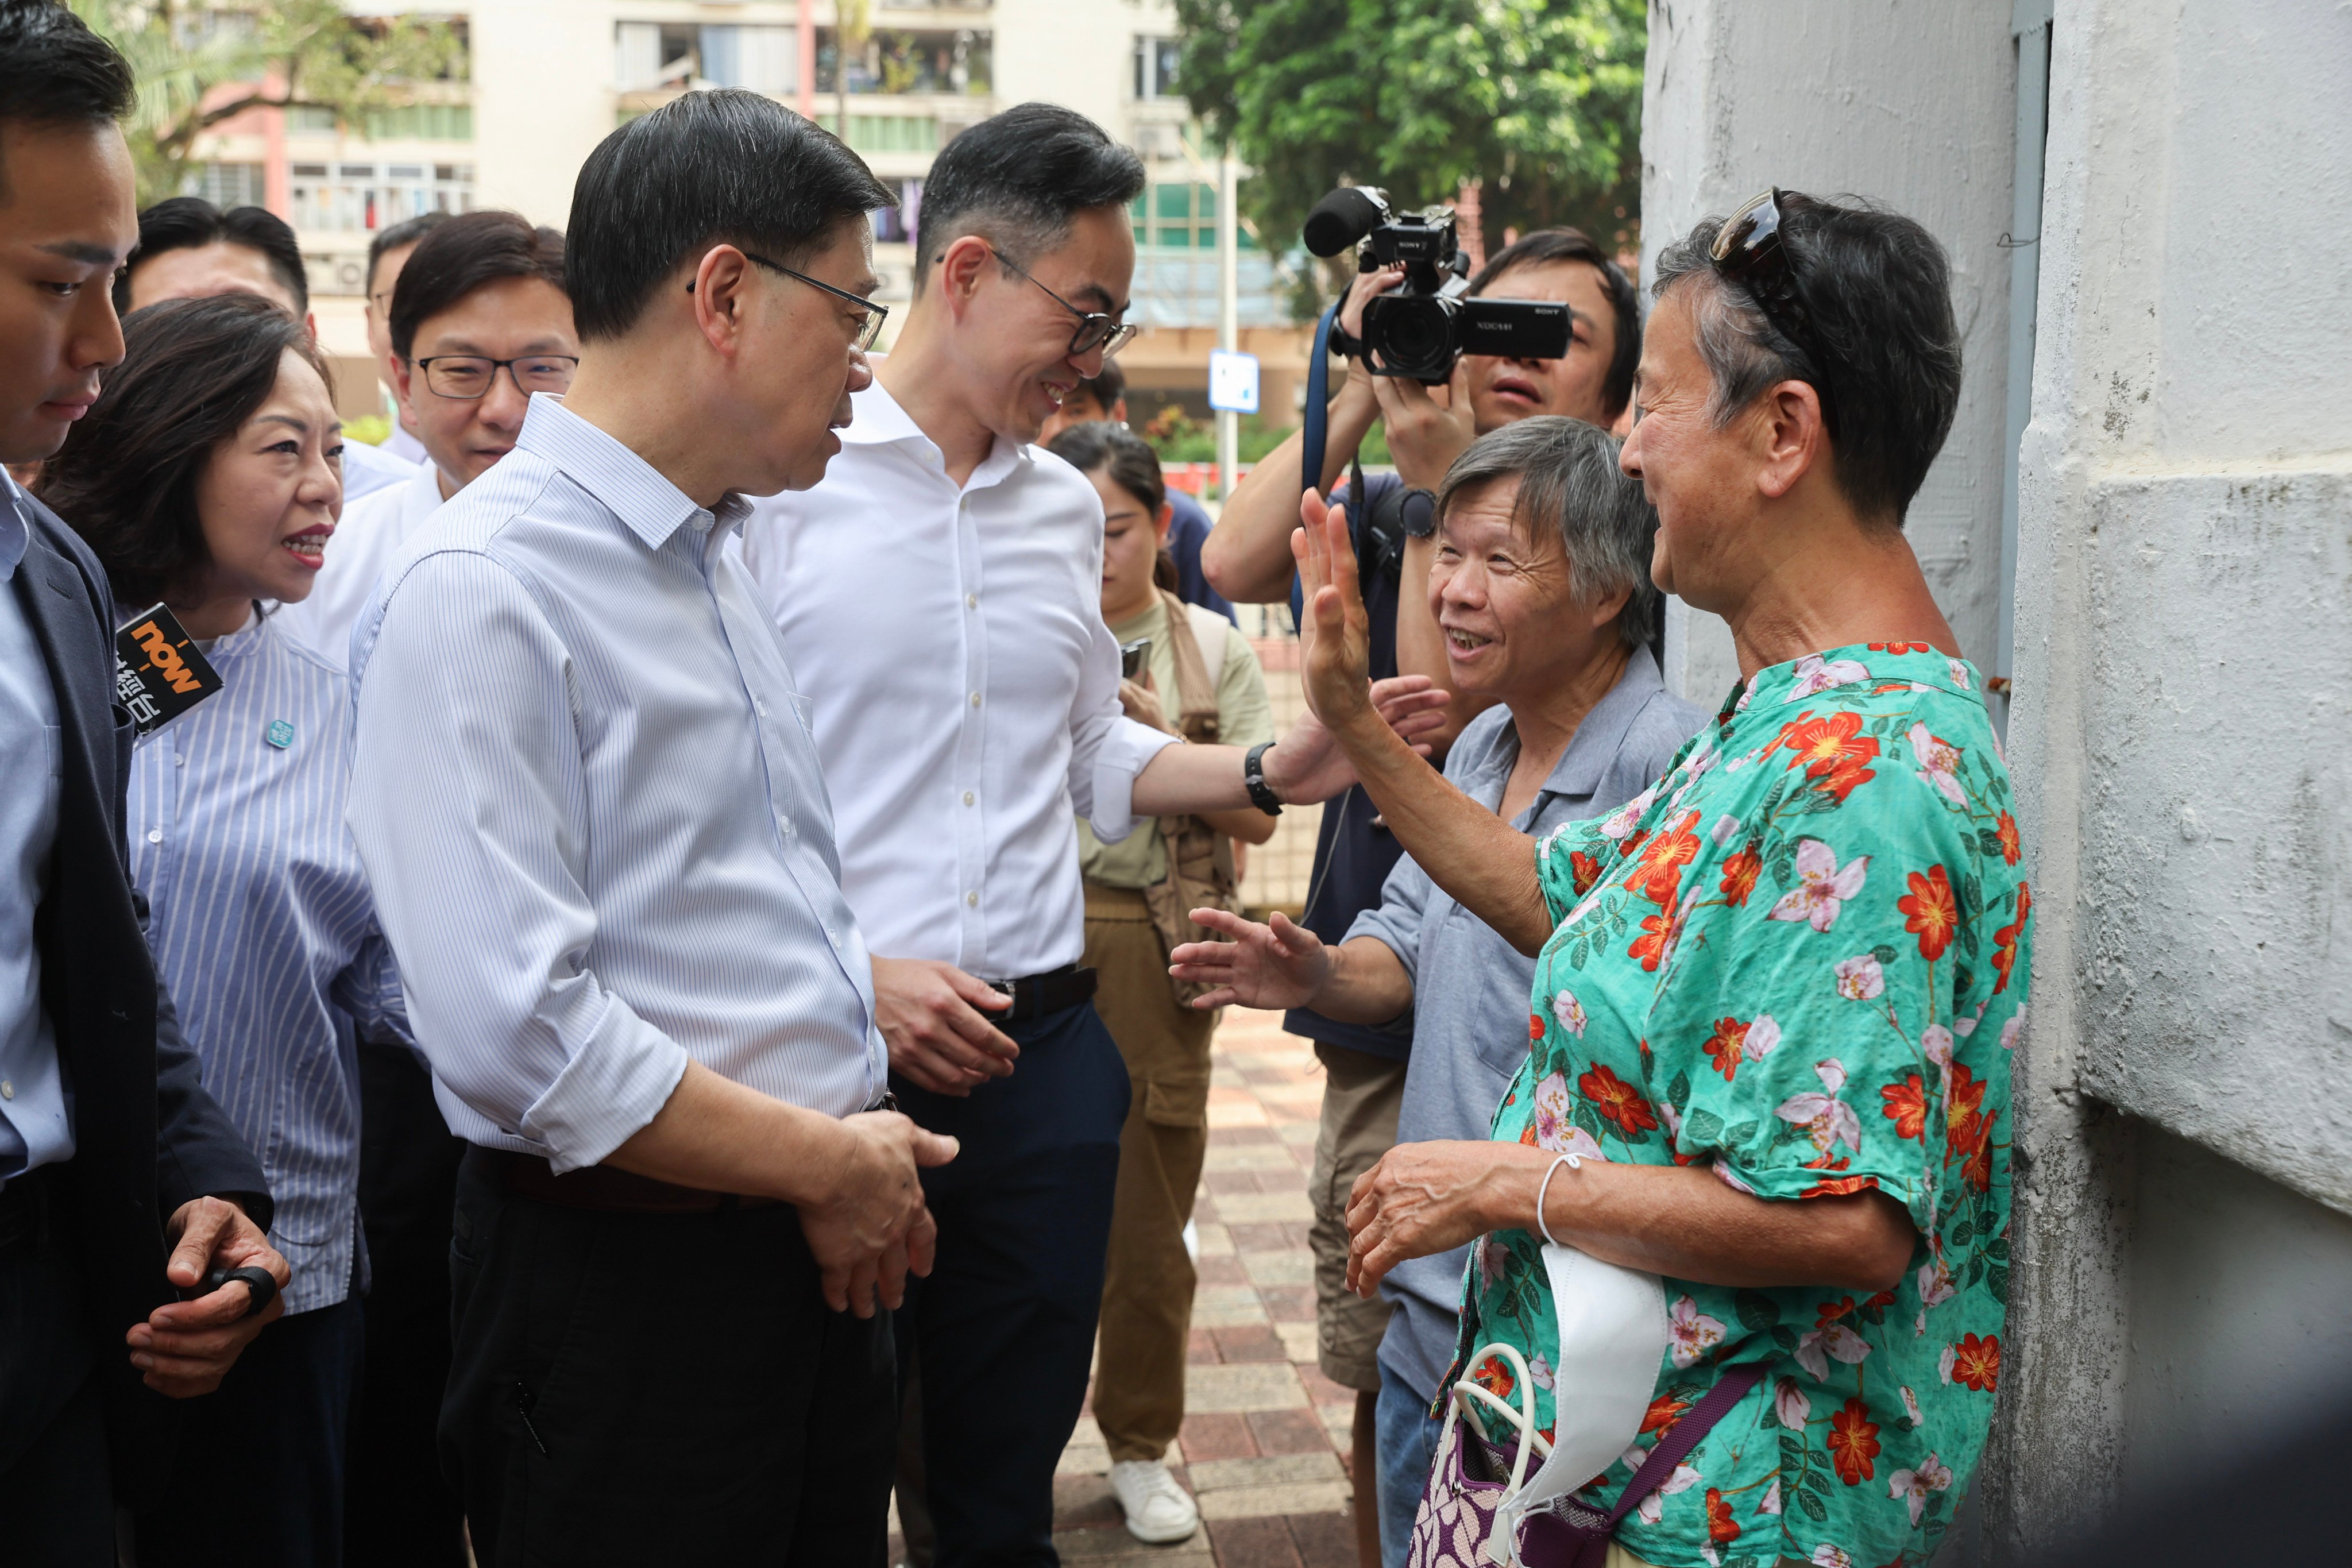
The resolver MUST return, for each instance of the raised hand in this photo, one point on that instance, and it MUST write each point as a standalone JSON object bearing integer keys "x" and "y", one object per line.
{"x": 1335, "y": 634}
{"x": 1310, "y": 764}
{"x": 1280, "y": 965}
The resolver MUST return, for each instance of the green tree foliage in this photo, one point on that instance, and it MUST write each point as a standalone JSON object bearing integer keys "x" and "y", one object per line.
{"x": 198, "y": 65}
{"x": 1540, "y": 99}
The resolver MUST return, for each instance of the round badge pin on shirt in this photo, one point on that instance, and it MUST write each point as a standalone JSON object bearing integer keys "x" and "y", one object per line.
{"x": 279, "y": 734}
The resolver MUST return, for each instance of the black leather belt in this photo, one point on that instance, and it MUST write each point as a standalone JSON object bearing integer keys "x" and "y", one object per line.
{"x": 1034, "y": 995}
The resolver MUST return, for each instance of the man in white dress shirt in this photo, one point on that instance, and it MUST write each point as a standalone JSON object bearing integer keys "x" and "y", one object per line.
{"x": 478, "y": 322}
{"x": 601, "y": 845}
{"x": 941, "y": 594}
{"x": 191, "y": 249}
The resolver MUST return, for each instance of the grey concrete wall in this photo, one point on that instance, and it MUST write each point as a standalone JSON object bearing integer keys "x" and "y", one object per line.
{"x": 2184, "y": 665}
{"x": 1910, "y": 102}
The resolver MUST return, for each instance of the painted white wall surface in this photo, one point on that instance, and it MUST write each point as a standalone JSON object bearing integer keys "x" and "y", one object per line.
{"x": 1910, "y": 104}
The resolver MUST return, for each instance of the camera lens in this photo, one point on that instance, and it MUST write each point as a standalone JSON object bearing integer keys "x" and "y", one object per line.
{"x": 1412, "y": 337}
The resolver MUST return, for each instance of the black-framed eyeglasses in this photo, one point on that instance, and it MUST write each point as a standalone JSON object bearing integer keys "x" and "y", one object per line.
{"x": 1096, "y": 330}
{"x": 869, "y": 328}
{"x": 1749, "y": 250}
{"x": 468, "y": 377}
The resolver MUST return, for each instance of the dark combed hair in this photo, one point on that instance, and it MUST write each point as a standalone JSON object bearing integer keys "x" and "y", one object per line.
{"x": 1877, "y": 289}
{"x": 55, "y": 71}
{"x": 1016, "y": 179}
{"x": 1547, "y": 247}
{"x": 407, "y": 231}
{"x": 1114, "y": 449}
{"x": 725, "y": 166}
{"x": 185, "y": 223}
{"x": 461, "y": 256}
{"x": 192, "y": 372}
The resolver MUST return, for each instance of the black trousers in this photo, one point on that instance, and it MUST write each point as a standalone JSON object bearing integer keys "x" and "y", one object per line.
{"x": 630, "y": 1389}
{"x": 399, "y": 1512}
{"x": 258, "y": 1479}
{"x": 57, "y": 1494}
{"x": 1004, "y": 1326}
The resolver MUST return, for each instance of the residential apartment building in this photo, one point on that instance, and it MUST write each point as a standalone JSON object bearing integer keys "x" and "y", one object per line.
{"x": 547, "y": 79}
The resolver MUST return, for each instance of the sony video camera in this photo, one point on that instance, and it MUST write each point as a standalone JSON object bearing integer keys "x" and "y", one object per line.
{"x": 1421, "y": 327}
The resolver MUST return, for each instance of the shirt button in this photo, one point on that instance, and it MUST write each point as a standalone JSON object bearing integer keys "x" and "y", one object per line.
{"x": 8, "y": 1089}
{"x": 178, "y": 761}
{"x": 761, "y": 704}
{"x": 969, "y": 797}
{"x": 154, "y": 836}
{"x": 975, "y": 699}
{"x": 972, "y": 899}
{"x": 972, "y": 601}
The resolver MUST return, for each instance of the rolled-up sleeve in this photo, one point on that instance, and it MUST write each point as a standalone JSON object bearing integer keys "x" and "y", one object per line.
{"x": 1108, "y": 749}
{"x": 469, "y": 812}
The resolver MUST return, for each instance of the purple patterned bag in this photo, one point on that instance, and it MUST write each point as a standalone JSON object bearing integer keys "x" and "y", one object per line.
{"x": 1461, "y": 1522}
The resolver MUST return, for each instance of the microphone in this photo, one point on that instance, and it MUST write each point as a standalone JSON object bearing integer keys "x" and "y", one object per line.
{"x": 1343, "y": 218}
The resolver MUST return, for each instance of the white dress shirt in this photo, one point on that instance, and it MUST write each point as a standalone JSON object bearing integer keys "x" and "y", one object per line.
{"x": 965, "y": 689}
{"x": 403, "y": 445}
{"x": 371, "y": 531}
{"x": 370, "y": 468}
{"x": 591, "y": 813}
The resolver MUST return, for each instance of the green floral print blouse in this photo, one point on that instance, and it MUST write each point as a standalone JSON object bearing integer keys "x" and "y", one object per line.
{"x": 1799, "y": 959}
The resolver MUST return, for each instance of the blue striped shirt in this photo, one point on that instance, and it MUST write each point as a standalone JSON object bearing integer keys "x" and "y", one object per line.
{"x": 587, "y": 798}
{"x": 264, "y": 931}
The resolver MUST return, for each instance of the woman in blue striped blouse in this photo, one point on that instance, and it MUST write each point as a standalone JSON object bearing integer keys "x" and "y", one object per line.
{"x": 207, "y": 476}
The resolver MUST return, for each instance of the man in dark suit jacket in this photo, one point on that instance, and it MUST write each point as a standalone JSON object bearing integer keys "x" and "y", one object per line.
{"x": 121, "y": 1182}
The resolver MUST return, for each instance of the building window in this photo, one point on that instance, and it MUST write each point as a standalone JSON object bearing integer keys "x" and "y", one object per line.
{"x": 421, "y": 122}
{"x": 1155, "y": 67}
{"x": 226, "y": 186}
{"x": 360, "y": 198}
{"x": 1180, "y": 215}
{"x": 896, "y": 225}
{"x": 895, "y": 61}
{"x": 886, "y": 132}
{"x": 650, "y": 55}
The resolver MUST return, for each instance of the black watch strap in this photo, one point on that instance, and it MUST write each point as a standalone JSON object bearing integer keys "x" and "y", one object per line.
{"x": 1418, "y": 508}
{"x": 1261, "y": 794}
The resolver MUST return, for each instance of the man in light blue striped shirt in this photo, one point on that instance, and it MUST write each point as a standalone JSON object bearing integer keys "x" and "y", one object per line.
{"x": 588, "y": 802}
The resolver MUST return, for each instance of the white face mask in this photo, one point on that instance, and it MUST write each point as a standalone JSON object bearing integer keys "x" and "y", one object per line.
{"x": 1613, "y": 1339}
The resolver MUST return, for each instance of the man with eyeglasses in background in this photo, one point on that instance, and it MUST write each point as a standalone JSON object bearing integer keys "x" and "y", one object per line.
{"x": 478, "y": 320}
{"x": 388, "y": 252}
{"x": 940, "y": 597}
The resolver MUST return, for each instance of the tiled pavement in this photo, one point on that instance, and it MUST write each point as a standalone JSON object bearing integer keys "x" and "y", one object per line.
{"x": 1266, "y": 1434}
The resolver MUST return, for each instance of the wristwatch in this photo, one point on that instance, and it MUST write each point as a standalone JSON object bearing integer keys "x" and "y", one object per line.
{"x": 1261, "y": 794}
{"x": 1418, "y": 509}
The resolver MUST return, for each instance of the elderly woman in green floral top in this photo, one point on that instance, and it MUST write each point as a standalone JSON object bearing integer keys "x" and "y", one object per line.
{"x": 1775, "y": 995}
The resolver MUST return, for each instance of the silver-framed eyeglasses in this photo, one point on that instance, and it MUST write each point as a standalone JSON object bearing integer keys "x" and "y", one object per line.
{"x": 1094, "y": 330}
{"x": 869, "y": 330}
{"x": 466, "y": 378}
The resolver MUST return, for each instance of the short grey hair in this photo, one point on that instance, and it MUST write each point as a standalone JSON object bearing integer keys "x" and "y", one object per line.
{"x": 1569, "y": 483}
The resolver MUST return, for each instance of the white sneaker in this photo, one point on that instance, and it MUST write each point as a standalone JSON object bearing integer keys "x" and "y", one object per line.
{"x": 1158, "y": 1511}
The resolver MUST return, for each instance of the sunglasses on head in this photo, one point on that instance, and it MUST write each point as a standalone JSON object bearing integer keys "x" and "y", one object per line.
{"x": 1749, "y": 250}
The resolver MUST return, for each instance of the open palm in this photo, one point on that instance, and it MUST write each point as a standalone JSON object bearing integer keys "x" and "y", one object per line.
{"x": 1280, "y": 965}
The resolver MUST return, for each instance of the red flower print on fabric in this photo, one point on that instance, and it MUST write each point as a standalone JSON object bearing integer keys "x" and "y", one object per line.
{"x": 1898, "y": 647}
{"x": 1657, "y": 875}
{"x": 1724, "y": 1046}
{"x": 1825, "y": 745}
{"x": 1617, "y": 1101}
{"x": 1585, "y": 869}
{"x": 1976, "y": 1363}
{"x": 1853, "y": 1442}
{"x": 1977, "y": 1169}
{"x": 1495, "y": 1377}
{"x": 1656, "y": 935}
{"x": 1535, "y": 1027}
{"x": 1839, "y": 1187}
{"x": 1961, "y": 1107}
{"x": 1930, "y": 912}
{"x": 1664, "y": 1412}
{"x": 2006, "y": 831}
{"x": 1719, "y": 1526}
{"x": 1906, "y": 1107}
{"x": 2004, "y": 940}
{"x": 1739, "y": 873}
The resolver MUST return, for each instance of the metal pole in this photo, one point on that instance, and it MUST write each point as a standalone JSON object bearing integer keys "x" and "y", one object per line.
{"x": 2030, "y": 24}
{"x": 1229, "y": 427}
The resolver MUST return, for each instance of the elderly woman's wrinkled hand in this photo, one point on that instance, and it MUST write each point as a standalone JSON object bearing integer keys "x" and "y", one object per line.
{"x": 1426, "y": 1198}
{"x": 1277, "y": 965}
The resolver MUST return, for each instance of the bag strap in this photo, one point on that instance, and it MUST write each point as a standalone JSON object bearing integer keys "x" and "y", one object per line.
{"x": 1659, "y": 1467}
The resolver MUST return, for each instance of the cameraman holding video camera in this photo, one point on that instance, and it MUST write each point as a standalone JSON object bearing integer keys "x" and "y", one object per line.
{"x": 1247, "y": 558}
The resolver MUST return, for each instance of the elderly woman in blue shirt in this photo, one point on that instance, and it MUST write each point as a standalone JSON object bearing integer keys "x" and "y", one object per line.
{"x": 1540, "y": 583}
{"x": 207, "y": 475}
